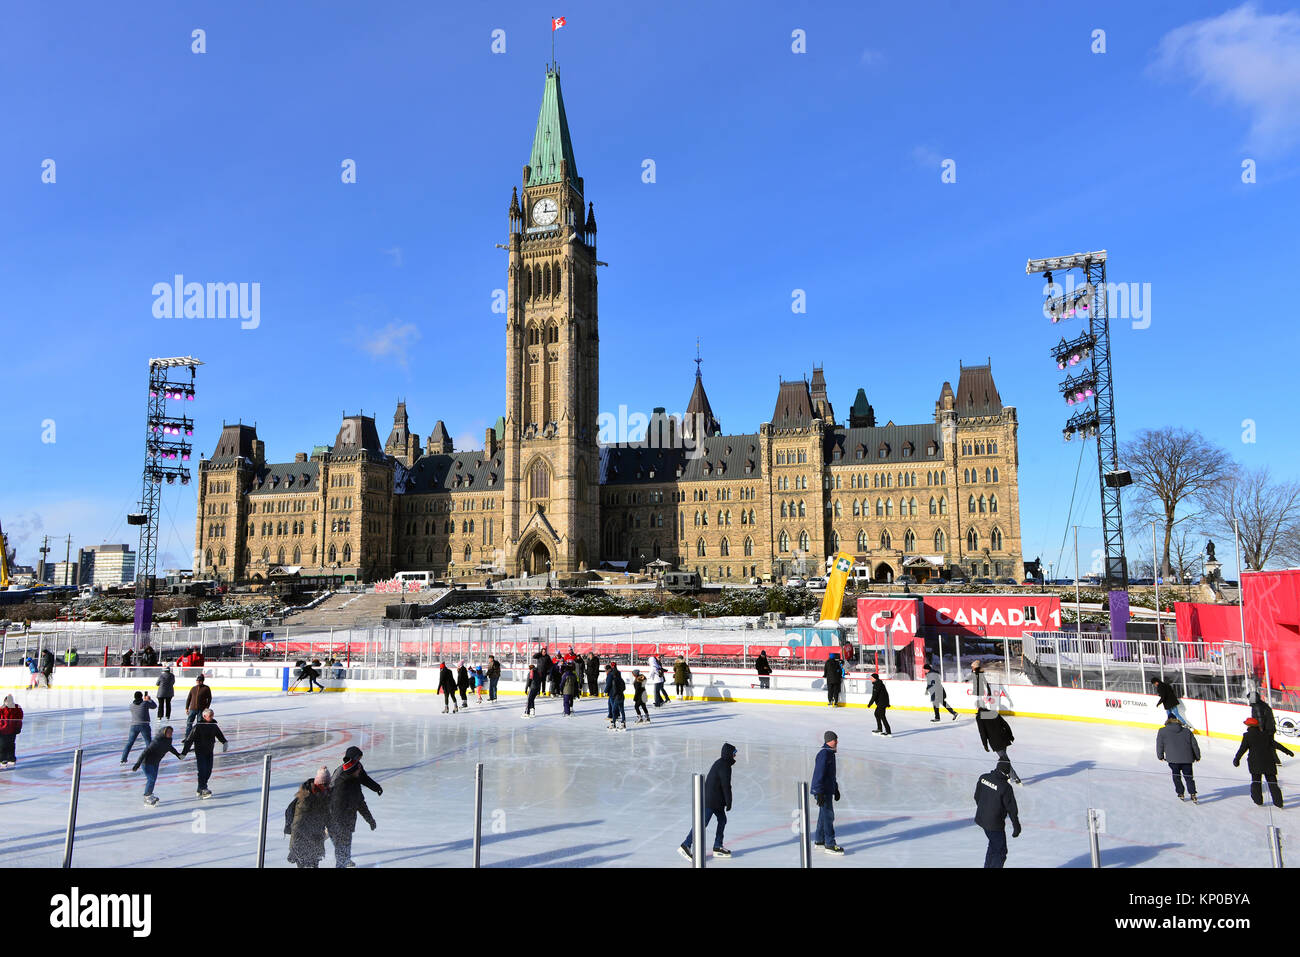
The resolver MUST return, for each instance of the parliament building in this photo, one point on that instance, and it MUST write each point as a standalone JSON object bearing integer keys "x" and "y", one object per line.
{"x": 545, "y": 495}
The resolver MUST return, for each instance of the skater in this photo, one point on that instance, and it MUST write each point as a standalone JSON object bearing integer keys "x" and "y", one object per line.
{"x": 203, "y": 740}
{"x": 493, "y": 676}
{"x": 638, "y": 696}
{"x": 593, "y": 675}
{"x": 880, "y": 698}
{"x": 196, "y": 702}
{"x": 657, "y": 679}
{"x": 569, "y": 688}
{"x": 554, "y": 677}
{"x": 125, "y": 660}
{"x": 166, "y": 685}
{"x": 826, "y": 791}
{"x": 614, "y": 688}
{"x": 681, "y": 675}
{"x": 980, "y": 688}
{"x": 151, "y": 757}
{"x": 763, "y": 668}
{"x": 309, "y": 673}
{"x": 306, "y": 819}
{"x": 1171, "y": 703}
{"x": 148, "y": 657}
{"x": 833, "y": 674}
{"x": 543, "y": 670}
{"x": 1176, "y": 746}
{"x": 1260, "y": 761}
{"x": 346, "y": 802}
{"x": 995, "y": 801}
{"x": 34, "y": 669}
{"x": 717, "y": 803}
{"x": 938, "y": 697}
{"x": 140, "y": 708}
{"x": 1261, "y": 712}
{"x": 47, "y": 667}
{"x": 996, "y": 736}
{"x": 480, "y": 682}
{"x": 11, "y": 725}
{"x": 462, "y": 684}
{"x": 532, "y": 686}
{"x": 447, "y": 685}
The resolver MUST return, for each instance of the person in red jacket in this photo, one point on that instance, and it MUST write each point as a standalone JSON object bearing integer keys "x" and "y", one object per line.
{"x": 11, "y": 723}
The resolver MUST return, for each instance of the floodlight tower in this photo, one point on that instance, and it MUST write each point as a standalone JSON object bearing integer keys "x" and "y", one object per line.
{"x": 166, "y": 443}
{"x": 1091, "y": 382}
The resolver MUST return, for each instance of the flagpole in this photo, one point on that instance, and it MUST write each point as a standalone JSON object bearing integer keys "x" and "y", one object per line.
{"x": 552, "y": 42}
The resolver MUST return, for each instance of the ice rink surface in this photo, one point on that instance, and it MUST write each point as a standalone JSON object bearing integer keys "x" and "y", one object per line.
{"x": 566, "y": 792}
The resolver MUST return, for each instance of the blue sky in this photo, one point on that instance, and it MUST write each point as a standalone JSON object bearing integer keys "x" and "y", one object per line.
{"x": 775, "y": 171}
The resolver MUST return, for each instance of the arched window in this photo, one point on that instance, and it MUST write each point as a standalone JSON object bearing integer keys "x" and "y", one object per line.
{"x": 835, "y": 541}
{"x": 724, "y": 548}
{"x": 802, "y": 514}
{"x": 347, "y": 554}
{"x": 803, "y": 541}
{"x": 943, "y": 505}
{"x": 911, "y": 508}
{"x": 983, "y": 503}
{"x": 856, "y": 509}
{"x": 751, "y": 516}
{"x": 988, "y": 474}
{"x": 909, "y": 541}
{"x": 993, "y": 503}
{"x": 468, "y": 553}
{"x": 837, "y": 510}
{"x": 940, "y": 540}
{"x": 447, "y": 556}
{"x": 889, "y": 508}
{"x": 934, "y": 506}
{"x": 995, "y": 540}
{"x": 208, "y": 558}
{"x": 995, "y": 475}
{"x": 221, "y": 558}
{"x": 970, "y": 505}
{"x": 783, "y": 542}
{"x": 862, "y": 541}
{"x": 297, "y": 555}
{"x": 880, "y": 509}
{"x": 972, "y": 540}
{"x": 749, "y": 547}
{"x": 700, "y": 548}
{"x": 266, "y": 555}
{"x": 885, "y": 540}
{"x": 428, "y": 554}
{"x": 539, "y": 481}
{"x": 783, "y": 509}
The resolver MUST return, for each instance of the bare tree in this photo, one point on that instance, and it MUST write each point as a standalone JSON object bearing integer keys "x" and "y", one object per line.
{"x": 1267, "y": 515}
{"x": 1172, "y": 470}
{"x": 1184, "y": 551}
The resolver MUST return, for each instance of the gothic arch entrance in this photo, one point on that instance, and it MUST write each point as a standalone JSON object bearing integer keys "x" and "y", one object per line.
{"x": 537, "y": 559}
{"x": 884, "y": 573}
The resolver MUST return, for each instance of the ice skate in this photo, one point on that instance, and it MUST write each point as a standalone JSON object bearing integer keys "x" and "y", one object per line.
{"x": 684, "y": 852}
{"x": 721, "y": 852}
{"x": 877, "y": 731}
{"x": 622, "y": 726}
{"x": 610, "y": 726}
{"x": 954, "y": 716}
{"x": 444, "y": 710}
{"x": 639, "y": 720}
{"x": 205, "y": 793}
{"x": 1193, "y": 798}
{"x": 934, "y": 720}
{"x": 834, "y": 849}
{"x": 150, "y": 800}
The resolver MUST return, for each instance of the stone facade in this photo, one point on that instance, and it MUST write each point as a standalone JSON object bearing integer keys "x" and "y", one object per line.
{"x": 544, "y": 495}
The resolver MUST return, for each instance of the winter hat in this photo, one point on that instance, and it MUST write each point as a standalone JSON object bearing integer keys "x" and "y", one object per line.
{"x": 138, "y": 697}
{"x": 830, "y": 736}
{"x": 352, "y": 754}
{"x": 1253, "y": 722}
{"x": 874, "y": 675}
{"x": 9, "y": 701}
{"x": 322, "y": 776}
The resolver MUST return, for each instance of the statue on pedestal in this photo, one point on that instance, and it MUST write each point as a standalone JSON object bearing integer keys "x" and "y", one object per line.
{"x": 1209, "y": 550}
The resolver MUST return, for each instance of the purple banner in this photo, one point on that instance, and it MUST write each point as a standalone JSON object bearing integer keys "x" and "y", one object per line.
{"x": 1119, "y": 617}
{"x": 143, "y": 620}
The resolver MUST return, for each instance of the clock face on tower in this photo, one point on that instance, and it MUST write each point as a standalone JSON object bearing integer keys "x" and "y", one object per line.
{"x": 545, "y": 211}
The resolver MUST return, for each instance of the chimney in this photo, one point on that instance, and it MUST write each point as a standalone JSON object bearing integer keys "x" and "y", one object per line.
{"x": 300, "y": 457}
{"x": 259, "y": 452}
{"x": 490, "y": 442}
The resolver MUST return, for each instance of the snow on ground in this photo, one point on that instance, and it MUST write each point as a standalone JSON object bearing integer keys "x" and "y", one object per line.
{"x": 567, "y": 792}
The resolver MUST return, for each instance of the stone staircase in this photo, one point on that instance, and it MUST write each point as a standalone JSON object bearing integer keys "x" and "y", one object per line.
{"x": 343, "y": 610}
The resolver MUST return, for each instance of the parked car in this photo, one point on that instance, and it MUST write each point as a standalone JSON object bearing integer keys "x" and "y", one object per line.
{"x": 904, "y": 580}
{"x": 983, "y": 581}
{"x": 1007, "y": 581}
{"x": 795, "y": 583}
{"x": 816, "y": 583}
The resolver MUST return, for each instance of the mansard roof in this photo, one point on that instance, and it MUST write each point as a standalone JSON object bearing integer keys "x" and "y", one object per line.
{"x": 893, "y": 439}
{"x": 718, "y": 458}
{"x": 794, "y": 408}
{"x": 287, "y": 478}
{"x": 236, "y": 442}
{"x": 976, "y": 392}
{"x": 465, "y": 471}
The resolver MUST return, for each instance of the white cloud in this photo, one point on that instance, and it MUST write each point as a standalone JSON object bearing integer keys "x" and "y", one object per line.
{"x": 392, "y": 341}
{"x": 926, "y": 157}
{"x": 1247, "y": 58}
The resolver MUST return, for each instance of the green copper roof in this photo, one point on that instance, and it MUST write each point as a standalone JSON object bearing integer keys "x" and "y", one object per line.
{"x": 551, "y": 142}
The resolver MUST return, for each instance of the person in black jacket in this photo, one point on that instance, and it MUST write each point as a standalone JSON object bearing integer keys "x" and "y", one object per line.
{"x": 1169, "y": 701}
{"x": 346, "y": 802}
{"x": 462, "y": 684}
{"x": 995, "y": 801}
{"x": 493, "y": 676}
{"x": 1260, "y": 761}
{"x": 833, "y": 674}
{"x": 203, "y": 738}
{"x": 996, "y": 736}
{"x": 593, "y": 675}
{"x": 544, "y": 671}
{"x": 763, "y": 668}
{"x": 151, "y": 757}
{"x": 614, "y": 687}
{"x": 532, "y": 686}
{"x": 880, "y": 698}
{"x": 717, "y": 802}
{"x": 447, "y": 686}
{"x": 1261, "y": 712}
